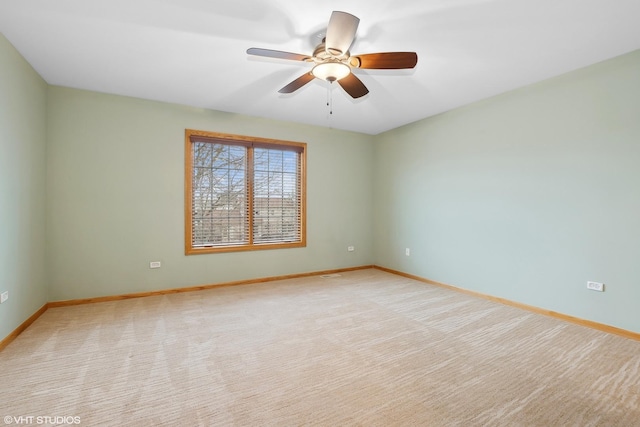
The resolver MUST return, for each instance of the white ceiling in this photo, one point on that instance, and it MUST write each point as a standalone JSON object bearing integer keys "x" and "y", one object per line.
{"x": 193, "y": 52}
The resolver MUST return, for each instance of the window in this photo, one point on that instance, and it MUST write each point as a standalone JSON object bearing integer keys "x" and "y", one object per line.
{"x": 243, "y": 193}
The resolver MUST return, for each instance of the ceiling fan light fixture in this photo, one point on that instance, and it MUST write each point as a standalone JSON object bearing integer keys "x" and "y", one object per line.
{"x": 333, "y": 61}
{"x": 331, "y": 71}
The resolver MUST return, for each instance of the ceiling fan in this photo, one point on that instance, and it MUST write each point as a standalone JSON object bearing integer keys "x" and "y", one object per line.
{"x": 333, "y": 61}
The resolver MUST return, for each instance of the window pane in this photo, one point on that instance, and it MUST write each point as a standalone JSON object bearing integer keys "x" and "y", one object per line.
{"x": 202, "y": 154}
{"x": 219, "y": 194}
{"x": 276, "y": 198}
{"x": 260, "y": 160}
{"x": 290, "y": 160}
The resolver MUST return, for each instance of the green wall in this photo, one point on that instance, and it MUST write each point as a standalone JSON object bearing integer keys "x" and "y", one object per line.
{"x": 524, "y": 196}
{"x": 22, "y": 188}
{"x": 116, "y": 197}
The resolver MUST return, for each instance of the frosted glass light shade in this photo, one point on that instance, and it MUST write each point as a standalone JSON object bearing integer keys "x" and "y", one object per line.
{"x": 331, "y": 71}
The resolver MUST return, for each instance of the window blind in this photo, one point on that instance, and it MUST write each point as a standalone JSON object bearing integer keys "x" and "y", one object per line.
{"x": 243, "y": 193}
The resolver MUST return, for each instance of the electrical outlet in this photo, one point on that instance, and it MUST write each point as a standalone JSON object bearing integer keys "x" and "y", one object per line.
{"x": 407, "y": 252}
{"x": 155, "y": 264}
{"x": 351, "y": 248}
{"x": 4, "y": 296}
{"x": 595, "y": 286}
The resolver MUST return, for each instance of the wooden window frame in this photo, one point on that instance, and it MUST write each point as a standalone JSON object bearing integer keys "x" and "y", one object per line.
{"x": 250, "y": 142}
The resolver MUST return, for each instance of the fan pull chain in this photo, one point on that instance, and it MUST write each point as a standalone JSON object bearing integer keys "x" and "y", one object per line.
{"x": 329, "y": 105}
{"x": 330, "y": 100}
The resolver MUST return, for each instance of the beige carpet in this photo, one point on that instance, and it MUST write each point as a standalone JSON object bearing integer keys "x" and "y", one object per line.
{"x": 366, "y": 348}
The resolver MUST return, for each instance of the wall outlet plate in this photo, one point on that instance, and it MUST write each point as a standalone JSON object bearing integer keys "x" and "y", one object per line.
{"x": 155, "y": 264}
{"x": 595, "y": 286}
{"x": 4, "y": 296}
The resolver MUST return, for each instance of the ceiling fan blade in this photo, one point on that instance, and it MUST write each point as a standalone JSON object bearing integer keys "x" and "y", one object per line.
{"x": 340, "y": 32}
{"x": 297, "y": 83}
{"x": 277, "y": 54}
{"x": 385, "y": 61}
{"x": 353, "y": 86}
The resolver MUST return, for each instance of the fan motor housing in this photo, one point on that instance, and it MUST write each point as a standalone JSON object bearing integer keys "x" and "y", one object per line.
{"x": 320, "y": 54}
